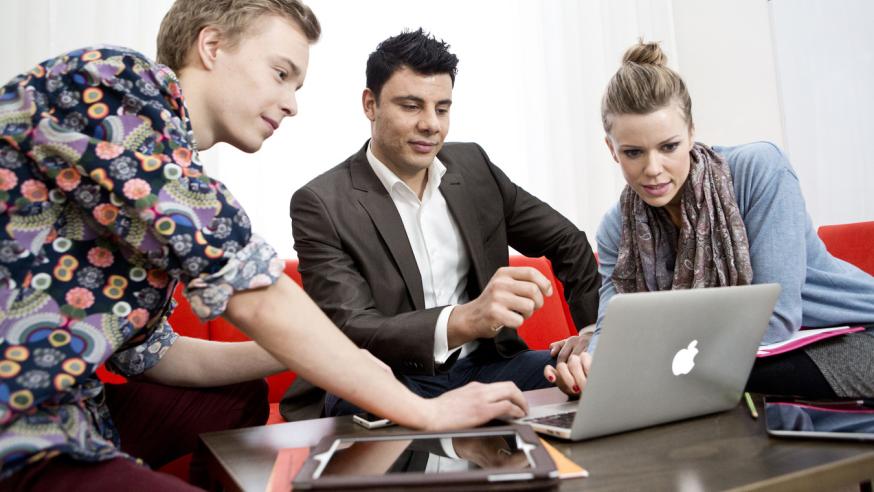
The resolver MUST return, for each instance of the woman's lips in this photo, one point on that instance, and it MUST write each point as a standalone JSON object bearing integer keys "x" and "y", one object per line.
{"x": 272, "y": 124}
{"x": 658, "y": 189}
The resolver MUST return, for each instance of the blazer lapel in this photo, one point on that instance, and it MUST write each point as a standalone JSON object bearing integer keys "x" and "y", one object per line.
{"x": 460, "y": 202}
{"x": 375, "y": 199}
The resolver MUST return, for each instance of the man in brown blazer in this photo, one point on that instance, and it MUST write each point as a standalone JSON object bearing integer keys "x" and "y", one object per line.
{"x": 404, "y": 245}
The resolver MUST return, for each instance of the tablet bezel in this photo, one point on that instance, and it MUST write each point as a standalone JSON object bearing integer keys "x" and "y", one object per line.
{"x": 542, "y": 471}
{"x": 844, "y": 436}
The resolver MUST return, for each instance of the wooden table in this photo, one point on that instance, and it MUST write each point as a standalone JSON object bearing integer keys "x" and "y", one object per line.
{"x": 728, "y": 450}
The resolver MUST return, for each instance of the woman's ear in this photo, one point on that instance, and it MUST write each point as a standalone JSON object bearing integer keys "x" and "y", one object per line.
{"x": 208, "y": 42}
{"x": 609, "y": 143}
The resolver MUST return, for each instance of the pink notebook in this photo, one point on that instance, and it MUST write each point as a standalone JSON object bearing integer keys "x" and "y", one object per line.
{"x": 805, "y": 337}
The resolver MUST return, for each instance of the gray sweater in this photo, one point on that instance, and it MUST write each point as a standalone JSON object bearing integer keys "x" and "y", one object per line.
{"x": 818, "y": 289}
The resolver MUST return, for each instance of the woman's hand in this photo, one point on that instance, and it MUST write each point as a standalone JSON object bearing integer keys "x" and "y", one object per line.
{"x": 572, "y": 375}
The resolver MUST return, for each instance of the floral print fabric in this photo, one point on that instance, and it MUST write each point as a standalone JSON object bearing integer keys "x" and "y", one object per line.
{"x": 104, "y": 206}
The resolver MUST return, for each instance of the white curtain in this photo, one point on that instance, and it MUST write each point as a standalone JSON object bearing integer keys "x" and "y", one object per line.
{"x": 35, "y": 30}
{"x": 531, "y": 75}
{"x": 825, "y": 63}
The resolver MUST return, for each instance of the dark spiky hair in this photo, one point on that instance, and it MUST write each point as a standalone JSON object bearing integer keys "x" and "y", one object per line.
{"x": 418, "y": 50}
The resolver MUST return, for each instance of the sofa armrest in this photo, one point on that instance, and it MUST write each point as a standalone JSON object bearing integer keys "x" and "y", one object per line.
{"x": 853, "y": 243}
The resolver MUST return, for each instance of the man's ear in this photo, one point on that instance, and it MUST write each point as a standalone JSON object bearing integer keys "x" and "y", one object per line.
{"x": 610, "y": 146}
{"x": 207, "y": 46}
{"x": 368, "y": 102}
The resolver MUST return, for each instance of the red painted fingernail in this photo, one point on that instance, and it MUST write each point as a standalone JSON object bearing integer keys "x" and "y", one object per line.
{"x": 550, "y": 378}
{"x": 576, "y": 389}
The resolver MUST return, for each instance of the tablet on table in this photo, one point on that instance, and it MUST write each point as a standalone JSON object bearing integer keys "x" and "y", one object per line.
{"x": 851, "y": 419}
{"x": 511, "y": 457}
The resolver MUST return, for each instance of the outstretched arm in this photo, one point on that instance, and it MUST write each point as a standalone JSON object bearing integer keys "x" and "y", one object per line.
{"x": 283, "y": 320}
{"x": 196, "y": 362}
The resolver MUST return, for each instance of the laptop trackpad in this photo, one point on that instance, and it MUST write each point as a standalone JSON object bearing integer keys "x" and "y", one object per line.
{"x": 544, "y": 410}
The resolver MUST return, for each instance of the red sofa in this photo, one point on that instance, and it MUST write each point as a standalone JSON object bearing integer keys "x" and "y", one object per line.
{"x": 550, "y": 323}
{"x": 853, "y": 243}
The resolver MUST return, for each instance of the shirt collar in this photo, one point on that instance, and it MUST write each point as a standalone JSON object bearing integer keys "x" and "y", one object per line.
{"x": 391, "y": 181}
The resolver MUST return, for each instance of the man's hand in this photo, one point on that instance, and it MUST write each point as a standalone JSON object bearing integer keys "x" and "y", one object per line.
{"x": 570, "y": 376}
{"x": 511, "y": 296}
{"x": 475, "y": 404}
{"x": 563, "y": 349}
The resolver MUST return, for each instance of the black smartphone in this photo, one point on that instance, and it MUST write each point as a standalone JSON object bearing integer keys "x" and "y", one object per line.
{"x": 371, "y": 421}
{"x": 831, "y": 419}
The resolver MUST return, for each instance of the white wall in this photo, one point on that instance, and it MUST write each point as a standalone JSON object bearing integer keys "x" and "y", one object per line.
{"x": 726, "y": 57}
{"x": 531, "y": 75}
{"x": 35, "y": 30}
{"x": 825, "y": 62}
{"x": 528, "y": 90}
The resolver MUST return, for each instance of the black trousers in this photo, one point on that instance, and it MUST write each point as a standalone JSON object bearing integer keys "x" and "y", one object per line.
{"x": 791, "y": 374}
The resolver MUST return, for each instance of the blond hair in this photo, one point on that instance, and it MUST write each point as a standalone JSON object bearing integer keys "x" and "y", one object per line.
{"x": 186, "y": 18}
{"x": 644, "y": 84}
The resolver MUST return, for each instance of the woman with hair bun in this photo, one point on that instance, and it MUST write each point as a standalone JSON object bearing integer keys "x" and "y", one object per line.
{"x": 694, "y": 216}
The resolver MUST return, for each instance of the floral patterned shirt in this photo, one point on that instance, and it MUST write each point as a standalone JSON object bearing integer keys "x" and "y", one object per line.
{"x": 104, "y": 206}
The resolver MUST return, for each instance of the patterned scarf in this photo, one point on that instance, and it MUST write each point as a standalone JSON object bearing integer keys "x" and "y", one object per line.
{"x": 712, "y": 249}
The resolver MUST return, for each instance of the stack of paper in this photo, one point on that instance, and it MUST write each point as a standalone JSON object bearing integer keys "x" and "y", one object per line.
{"x": 805, "y": 337}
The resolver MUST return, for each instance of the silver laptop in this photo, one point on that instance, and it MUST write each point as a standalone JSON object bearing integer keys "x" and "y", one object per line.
{"x": 665, "y": 356}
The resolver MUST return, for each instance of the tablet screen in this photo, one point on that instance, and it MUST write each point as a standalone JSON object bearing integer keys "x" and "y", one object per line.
{"x": 431, "y": 455}
{"x": 850, "y": 419}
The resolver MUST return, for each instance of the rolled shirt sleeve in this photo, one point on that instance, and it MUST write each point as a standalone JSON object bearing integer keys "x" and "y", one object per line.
{"x": 140, "y": 358}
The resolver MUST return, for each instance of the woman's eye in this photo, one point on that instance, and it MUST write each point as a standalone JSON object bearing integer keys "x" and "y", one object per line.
{"x": 631, "y": 153}
{"x": 671, "y": 146}
{"x": 282, "y": 74}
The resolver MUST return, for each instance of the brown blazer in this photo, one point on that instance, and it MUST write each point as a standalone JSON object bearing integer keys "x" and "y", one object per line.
{"x": 357, "y": 264}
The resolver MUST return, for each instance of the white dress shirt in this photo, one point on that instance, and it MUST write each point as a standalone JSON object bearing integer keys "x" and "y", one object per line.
{"x": 436, "y": 241}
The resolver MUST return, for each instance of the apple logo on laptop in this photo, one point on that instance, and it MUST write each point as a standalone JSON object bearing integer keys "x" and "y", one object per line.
{"x": 684, "y": 360}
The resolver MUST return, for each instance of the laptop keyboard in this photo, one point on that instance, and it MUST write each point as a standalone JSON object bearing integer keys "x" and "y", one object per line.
{"x": 563, "y": 420}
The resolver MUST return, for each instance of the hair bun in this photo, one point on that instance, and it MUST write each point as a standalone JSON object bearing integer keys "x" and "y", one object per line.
{"x": 645, "y": 54}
